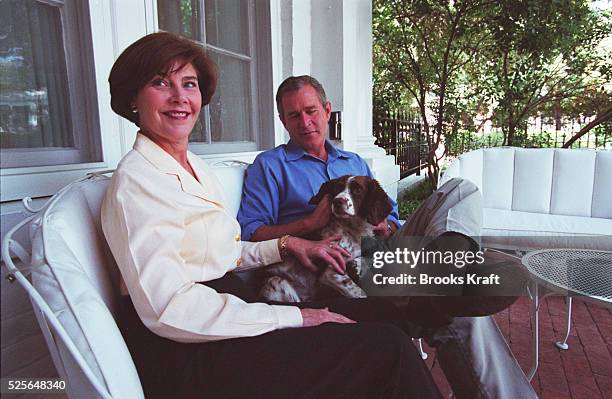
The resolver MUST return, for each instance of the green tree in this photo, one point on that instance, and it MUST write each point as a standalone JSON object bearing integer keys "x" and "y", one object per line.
{"x": 541, "y": 52}
{"x": 420, "y": 50}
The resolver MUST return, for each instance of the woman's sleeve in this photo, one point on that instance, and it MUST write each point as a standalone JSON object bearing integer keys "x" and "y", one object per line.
{"x": 258, "y": 254}
{"x": 145, "y": 232}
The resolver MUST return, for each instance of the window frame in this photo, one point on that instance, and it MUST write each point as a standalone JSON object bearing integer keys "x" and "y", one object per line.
{"x": 78, "y": 56}
{"x": 112, "y": 28}
{"x": 260, "y": 70}
{"x": 111, "y": 132}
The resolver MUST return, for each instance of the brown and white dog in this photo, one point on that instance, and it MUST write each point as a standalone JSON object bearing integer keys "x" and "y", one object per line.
{"x": 358, "y": 204}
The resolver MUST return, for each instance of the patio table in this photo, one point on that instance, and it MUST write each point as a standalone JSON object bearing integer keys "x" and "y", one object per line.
{"x": 572, "y": 272}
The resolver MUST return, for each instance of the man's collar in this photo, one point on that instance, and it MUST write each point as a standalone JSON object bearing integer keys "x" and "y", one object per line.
{"x": 295, "y": 152}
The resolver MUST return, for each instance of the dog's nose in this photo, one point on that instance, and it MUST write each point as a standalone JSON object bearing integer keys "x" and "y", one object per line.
{"x": 339, "y": 203}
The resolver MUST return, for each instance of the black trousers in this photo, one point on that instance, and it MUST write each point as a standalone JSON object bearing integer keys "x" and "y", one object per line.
{"x": 373, "y": 358}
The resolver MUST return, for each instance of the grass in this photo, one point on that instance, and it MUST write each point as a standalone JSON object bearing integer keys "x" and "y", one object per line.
{"x": 414, "y": 198}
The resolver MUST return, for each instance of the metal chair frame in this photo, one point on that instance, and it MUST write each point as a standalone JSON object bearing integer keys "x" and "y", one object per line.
{"x": 51, "y": 327}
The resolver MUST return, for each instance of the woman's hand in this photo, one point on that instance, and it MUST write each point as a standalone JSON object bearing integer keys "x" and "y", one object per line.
{"x": 326, "y": 250}
{"x": 314, "y": 317}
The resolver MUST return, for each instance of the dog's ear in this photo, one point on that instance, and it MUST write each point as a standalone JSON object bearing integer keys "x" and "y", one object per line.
{"x": 332, "y": 187}
{"x": 377, "y": 204}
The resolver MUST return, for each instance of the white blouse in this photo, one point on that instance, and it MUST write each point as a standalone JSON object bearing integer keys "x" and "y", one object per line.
{"x": 168, "y": 231}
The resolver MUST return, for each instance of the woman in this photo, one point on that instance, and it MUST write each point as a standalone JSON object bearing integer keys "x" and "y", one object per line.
{"x": 193, "y": 329}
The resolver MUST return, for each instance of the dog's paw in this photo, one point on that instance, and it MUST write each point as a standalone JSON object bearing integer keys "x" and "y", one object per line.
{"x": 342, "y": 283}
{"x": 356, "y": 269}
{"x": 279, "y": 290}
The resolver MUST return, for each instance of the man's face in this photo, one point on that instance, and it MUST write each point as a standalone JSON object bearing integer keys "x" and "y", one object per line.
{"x": 306, "y": 119}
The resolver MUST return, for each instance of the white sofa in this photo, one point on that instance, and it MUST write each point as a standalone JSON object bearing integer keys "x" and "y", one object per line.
{"x": 74, "y": 286}
{"x": 541, "y": 198}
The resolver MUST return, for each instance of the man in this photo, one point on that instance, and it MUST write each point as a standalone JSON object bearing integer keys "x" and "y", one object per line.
{"x": 280, "y": 182}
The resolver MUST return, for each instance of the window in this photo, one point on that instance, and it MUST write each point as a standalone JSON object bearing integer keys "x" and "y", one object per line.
{"x": 47, "y": 95}
{"x": 229, "y": 32}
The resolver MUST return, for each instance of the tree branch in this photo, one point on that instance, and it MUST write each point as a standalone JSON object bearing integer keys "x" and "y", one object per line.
{"x": 604, "y": 117}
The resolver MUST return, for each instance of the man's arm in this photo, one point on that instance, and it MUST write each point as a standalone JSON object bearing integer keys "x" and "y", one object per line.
{"x": 316, "y": 220}
{"x": 259, "y": 207}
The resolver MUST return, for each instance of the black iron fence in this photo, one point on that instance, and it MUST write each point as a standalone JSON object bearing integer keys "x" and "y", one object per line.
{"x": 401, "y": 135}
{"x": 598, "y": 137}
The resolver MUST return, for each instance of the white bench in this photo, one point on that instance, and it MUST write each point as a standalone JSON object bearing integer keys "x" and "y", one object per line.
{"x": 541, "y": 198}
{"x": 74, "y": 285}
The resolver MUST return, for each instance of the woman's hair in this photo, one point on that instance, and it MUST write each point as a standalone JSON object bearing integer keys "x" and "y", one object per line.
{"x": 295, "y": 83}
{"x": 152, "y": 55}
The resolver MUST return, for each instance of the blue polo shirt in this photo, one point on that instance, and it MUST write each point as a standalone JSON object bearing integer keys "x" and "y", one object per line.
{"x": 281, "y": 181}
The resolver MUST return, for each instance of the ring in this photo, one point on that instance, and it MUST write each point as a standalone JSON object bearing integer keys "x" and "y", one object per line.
{"x": 331, "y": 244}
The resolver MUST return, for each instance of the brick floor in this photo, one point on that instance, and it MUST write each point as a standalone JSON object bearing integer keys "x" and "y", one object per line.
{"x": 584, "y": 371}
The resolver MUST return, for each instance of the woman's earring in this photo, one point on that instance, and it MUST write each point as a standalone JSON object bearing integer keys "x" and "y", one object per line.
{"x": 134, "y": 110}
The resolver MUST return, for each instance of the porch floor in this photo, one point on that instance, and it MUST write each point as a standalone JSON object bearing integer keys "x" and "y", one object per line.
{"x": 584, "y": 371}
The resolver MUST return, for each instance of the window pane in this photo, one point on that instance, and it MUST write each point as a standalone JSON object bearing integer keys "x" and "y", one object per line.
{"x": 34, "y": 103}
{"x": 227, "y": 24}
{"x": 198, "y": 134}
{"x": 230, "y": 107}
{"x": 228, "y": 119}
{"x": 181, "y": 17}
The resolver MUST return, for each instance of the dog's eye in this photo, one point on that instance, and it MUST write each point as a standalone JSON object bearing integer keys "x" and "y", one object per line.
{"x": 357, "y": 189}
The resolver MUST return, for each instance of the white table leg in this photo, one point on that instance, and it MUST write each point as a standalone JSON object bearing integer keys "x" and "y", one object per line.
{"x": 563, "y": 344}
{"x": 535, "y": 308}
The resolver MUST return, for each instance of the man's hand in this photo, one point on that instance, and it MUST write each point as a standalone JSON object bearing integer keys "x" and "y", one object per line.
{"x": 326, "y": 250}
{"x": 385, "y": 229}
{"x": 316, "y": 220}
{"x": 320, "y": 216}
{"x": 315, "y": 317}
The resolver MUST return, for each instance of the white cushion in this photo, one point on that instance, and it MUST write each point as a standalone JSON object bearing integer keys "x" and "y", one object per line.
{"x": 498, "y": 177}
{"x": 78, "y": 279}
{"x": 502, "y": 228}
{"x": 470, "y": 167}
{"x": 522, "y": 242}
{"x": 524, "y": 222}
{"x": 532, "y": 180}
{"x": 231, "y": 178}
{"x": 602, "y": 186}
{"x": 572, "y": 188}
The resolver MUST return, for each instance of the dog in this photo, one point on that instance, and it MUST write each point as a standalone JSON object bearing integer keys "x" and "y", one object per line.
{"x": 358, "y": 204}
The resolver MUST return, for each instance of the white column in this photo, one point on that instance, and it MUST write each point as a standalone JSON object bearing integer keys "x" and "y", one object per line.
{"x": 357, "y": 51}
{"x": 326, "y": 37}
{"x": 332, "y": 41}
{"x": 301, "y": 26}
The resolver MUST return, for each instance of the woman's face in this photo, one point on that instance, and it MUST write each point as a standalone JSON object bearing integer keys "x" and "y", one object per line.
{"x": 169, "y": 106}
